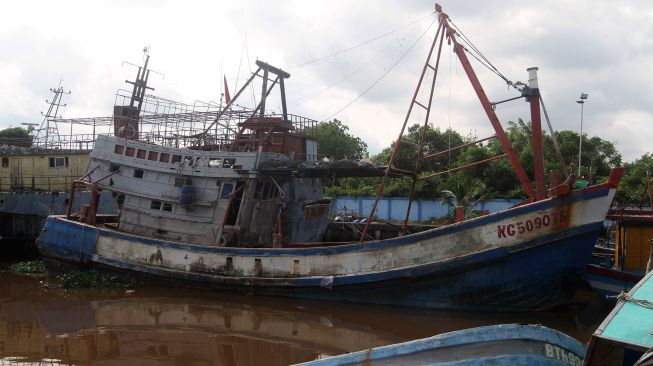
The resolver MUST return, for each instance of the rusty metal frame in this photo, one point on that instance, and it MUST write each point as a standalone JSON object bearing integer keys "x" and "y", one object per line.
{"x": 444, "y": 28}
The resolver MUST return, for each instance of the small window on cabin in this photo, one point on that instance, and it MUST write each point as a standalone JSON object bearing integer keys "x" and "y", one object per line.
{"x": 141, "y": 153}
{"x": 164, "y": 157}
{"x": 114, "y": 167}
{"x": 226, "y": 189}
{"x": 58, "y": 162}
{"x": 316, "y": 211}
{"x": 228, "y": 162}
{"x": 119, "y": 149}
{"x": 215, "y": 162}
{"x": 167, "y": 206}
{"x": 176, "y": 159}
{"x": 5, "y": 162}
{"x": 130, "y": 151}
{"x": 155, "y": 205}
{"x": 183, "y": 180}
{"x": 152, "y": 155}
{"x": 138, "y": 173}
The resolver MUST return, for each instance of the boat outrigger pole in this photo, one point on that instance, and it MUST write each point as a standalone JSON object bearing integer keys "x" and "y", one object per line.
{"x": 531, "y": 93}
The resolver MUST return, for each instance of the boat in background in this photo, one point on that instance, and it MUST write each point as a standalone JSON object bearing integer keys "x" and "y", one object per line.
{"x": 232, "y": 199}
{"x": 508, "y": 344}
{"x": 37, "y": 171}
{"x": 617, "y": 270}
{"x": 625, "y": 335}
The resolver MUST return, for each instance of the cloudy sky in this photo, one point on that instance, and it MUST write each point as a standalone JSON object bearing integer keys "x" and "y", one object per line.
{"x": 604, "y": 48}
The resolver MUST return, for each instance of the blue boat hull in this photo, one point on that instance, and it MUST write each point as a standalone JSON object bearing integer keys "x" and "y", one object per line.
{"x": 499, "y": 345}
{"x": 502, "y": 279}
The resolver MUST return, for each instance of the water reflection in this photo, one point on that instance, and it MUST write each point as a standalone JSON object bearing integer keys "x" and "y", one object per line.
{"x": 157, "y": 326}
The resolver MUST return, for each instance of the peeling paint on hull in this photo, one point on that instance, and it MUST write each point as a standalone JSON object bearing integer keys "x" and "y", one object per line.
{"x": 506, "y": 261}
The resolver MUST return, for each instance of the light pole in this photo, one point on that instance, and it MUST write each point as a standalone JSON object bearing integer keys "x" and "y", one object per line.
{"x": 583, "y": 97}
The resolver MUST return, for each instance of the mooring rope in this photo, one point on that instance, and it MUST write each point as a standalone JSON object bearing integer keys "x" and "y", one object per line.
{"x": 645, "y": 303}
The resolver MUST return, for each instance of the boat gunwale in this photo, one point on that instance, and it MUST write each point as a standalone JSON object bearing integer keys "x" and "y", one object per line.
{"x": 620, "y": 304}
{"x": 458, "y": 338}
{"x": 580, "y": 195}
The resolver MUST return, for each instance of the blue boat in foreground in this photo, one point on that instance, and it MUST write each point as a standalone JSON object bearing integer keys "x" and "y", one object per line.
{"x": 627, "y": 332}
{"x": 508, "y": 344}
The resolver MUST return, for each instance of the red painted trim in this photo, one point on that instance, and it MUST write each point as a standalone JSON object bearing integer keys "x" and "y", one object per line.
{"x": 613, "y": 273}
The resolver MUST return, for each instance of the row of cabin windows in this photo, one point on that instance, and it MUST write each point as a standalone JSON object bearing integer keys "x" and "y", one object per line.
{"x": 53, "y": 162}
{"x": 172, "y": 159}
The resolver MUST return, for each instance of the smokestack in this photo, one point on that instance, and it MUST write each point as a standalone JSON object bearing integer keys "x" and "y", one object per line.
{"x": 532, "y": 77}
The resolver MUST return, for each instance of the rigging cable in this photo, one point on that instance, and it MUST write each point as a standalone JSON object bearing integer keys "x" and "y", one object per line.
{"x": 363, "y": 67}
{"x": 382, "y": 76}
{"x": 362, "y": 43}
{"x": 485, "y": 62}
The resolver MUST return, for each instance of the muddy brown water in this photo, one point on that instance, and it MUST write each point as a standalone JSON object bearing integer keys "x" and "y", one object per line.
{"x": 173, "y": 326}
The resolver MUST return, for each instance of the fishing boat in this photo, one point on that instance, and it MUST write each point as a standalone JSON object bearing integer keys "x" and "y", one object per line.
{"x": 36, "y": 171}
{"x": 237, "y": 204}
{"x": 625, "y": 335}
{"x": 620, "y": 269}
{"x": 508, "y": 344}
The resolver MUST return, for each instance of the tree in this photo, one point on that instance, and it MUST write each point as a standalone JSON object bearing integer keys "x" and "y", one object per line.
{"x": 601, "y": 155}
{"x": 464, "y": 191}
{"x": 334, "y": 142}
{"x": 633, "y": 184}
{"x": 15, "y": 136}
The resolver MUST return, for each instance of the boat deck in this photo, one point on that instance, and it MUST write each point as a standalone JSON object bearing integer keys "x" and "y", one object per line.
{"x": 631, "y": 322}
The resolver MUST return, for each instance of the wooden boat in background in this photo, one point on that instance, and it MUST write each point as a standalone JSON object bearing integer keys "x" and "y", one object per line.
{"x": 620, "y": 269}
{"x": 509, "y": 344}
{"x": 242, "y": 209}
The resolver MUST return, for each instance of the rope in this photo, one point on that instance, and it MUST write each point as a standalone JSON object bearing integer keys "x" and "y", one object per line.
{"x": 363, "y": 67}
{"x": 645, "y": 303}
{"x": 362, "y": 43}
{"x": 382, "y": 76}
{"x": 485, "y": 61}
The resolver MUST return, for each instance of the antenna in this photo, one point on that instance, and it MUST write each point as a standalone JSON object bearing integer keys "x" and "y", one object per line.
{"x": 51, "y": 131}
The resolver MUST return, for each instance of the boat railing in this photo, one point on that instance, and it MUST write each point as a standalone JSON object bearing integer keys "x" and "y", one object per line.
{"x": 36, "y": 182}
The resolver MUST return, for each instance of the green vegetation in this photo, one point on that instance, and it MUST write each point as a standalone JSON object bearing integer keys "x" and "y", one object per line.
{"x": 336, "y": 143}
{"x": 633, "y": 184}
{"x": 492, "y": 180}
{"x": 28, "y": 267}
{"x": 79, "y": 279}
{"x": 15, "y": 136}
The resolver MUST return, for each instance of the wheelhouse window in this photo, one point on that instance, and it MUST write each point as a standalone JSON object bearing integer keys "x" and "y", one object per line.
{"x": 119, "y": 149}
{"x": 130, "y": 151}
{"x": 176, "y": 159}
{"x": 58, "y": 162}
{"x": 228, "y": 162}
{"x": 141, "y": 153}
{"x": 152, "y": 155}
{"x": 164, "y": 157}
{"x": 155, "y": 205}
{"x": 215, "y": 162}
